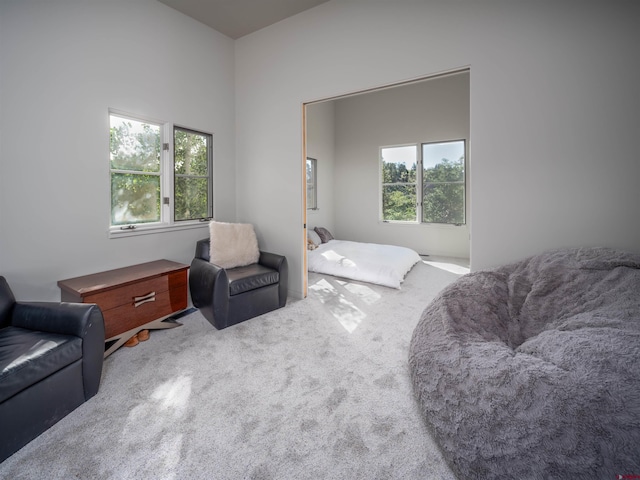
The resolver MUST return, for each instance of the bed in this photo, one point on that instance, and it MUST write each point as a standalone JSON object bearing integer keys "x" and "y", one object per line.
{"x": 366, "y": 262}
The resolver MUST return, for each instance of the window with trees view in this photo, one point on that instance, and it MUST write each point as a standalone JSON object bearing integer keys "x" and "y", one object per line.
{"x": 156, "y": 186}
{"x": 399, "y": 187}
{"x": 424, "y": 184}
{"x": 312, "y": 184}
{"x": 191, "y": 154}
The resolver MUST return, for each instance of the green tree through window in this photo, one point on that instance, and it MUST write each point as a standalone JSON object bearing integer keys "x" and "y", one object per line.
{"x": 399, "y": 168}
{"x": 439, "y": 184}
{"x": 443, "y": 184}
{"x": 191, "y": 182}
{"x": 147, "y": 179}
{"x": 135, "y": 171}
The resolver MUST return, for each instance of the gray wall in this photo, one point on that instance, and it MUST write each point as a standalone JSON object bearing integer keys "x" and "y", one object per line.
{"x": 321, "y": 146}
{"x": 430, "y": 111}
{"x": 553, "y": 99}
{"x": 63, "y": 65}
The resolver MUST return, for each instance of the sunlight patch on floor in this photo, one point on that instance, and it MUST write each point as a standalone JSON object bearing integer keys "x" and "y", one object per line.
{"x": 174, "y": 394}
{"x": 349, "y": 315}
{"x": 366, "y": 294}
{"x": 324, "y": 289}
{"x": 169, "y": 455}
{"x": 155, "y": 420}
{"x": 449, "y": 267}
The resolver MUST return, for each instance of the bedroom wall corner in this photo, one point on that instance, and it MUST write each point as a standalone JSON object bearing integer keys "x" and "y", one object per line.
{"x": 553, "y": 115}
{"x": 436, "y": 109}
{"x": 63, "y": 67}
{"x": 320, "y": 131}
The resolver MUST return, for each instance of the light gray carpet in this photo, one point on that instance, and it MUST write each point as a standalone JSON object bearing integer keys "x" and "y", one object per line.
{"x": 317, "y": 390}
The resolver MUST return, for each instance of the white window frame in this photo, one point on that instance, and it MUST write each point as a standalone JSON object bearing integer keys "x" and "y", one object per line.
{"x": 167, "y": 221}
{"x": 420, "y": 184}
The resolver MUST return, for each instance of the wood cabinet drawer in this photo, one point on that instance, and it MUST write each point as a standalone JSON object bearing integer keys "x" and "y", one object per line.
{"x": 132, "y": 298}
{"x": 125, "y": 317}
{"x": 126, "y": 294}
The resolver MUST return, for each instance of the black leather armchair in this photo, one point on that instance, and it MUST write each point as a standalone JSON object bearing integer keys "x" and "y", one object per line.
{"x": 51, "y": 358}
{"x": 229, "y": 296}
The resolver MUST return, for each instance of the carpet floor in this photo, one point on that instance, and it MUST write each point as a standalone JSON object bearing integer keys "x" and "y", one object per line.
{"x": 319, "y": 389}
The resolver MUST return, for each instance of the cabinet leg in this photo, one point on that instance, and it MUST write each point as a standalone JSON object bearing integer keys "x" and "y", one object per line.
{"x": 115, "y": 342}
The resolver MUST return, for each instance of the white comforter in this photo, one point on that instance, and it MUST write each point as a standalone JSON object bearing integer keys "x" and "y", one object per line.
{"x": 368, "y": 262}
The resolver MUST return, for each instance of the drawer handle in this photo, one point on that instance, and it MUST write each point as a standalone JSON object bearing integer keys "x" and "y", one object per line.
{"x": 149, "y": 297}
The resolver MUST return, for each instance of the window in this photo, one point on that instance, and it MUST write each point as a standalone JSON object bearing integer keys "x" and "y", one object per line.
{"x": 312, "y": 184}
{"x": 191, "y": 159}
{"x": 135, "y": 171}
{"x": 424, "y": 185}
{"x": 443, "y": 186}
{"x": 152, "y": 185}
{"x": 399, "y": 187}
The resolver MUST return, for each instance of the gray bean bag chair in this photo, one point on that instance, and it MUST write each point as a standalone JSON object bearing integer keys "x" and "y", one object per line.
{"x": 532, "y": 370}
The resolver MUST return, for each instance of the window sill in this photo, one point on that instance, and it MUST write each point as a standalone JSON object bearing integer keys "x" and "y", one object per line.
{"x": 422, "y": 225}
{"x": 116, "y": 232}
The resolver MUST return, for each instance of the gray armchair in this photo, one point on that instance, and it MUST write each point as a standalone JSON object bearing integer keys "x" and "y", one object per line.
{"x": 229, "y": 296}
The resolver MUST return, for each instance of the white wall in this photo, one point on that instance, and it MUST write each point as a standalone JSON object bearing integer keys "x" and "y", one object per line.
{"x": 430, "y": 111}
{"x": 554, "y": 112}
{"x": 64, "y": 64}
{"x": 321, "y": 146}
{"x": 552, "y": 131}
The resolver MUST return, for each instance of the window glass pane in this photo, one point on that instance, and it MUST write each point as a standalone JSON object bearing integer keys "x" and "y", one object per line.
{"x": 311, "y": 195}
{"x": 399, "y": 202}
{"x": 191, "y": 198}
{"x": 312, "y": 192}
{"x": 134, "y": 145}
{"x": 443, "y": 162}
{"x": 399, "y": 164}
{"x": 443, "y": 187}
{"x": 443, "y": 203}
{"x": 135, "y": 198}
{"x": 191, "y": 154}
{"x": 191, "y": 164}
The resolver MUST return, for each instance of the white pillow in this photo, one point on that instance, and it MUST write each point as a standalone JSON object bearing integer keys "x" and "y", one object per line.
{"x": 233, "y": 244}
{"x": 314, "y": 237}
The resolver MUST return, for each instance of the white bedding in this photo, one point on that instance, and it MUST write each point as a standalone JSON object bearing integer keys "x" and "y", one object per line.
{"x": 368, "y": 262}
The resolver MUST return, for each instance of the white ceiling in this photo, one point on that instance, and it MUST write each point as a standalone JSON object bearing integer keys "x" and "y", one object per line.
{"x": 236, "y": 18}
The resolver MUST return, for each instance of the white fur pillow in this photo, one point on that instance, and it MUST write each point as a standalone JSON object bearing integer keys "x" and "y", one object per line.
{"x": 233, "y": 244}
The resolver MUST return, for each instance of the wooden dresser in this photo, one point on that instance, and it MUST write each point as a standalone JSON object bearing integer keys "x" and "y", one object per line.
{"x": 133, "y": 298}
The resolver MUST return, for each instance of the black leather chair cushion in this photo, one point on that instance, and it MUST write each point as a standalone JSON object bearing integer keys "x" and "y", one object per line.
{"x": 245, "y": 279}
{"x": 28, "y": 356}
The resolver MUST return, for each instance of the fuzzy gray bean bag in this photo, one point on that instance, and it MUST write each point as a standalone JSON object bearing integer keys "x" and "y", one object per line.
{"x": 532, "y": 370}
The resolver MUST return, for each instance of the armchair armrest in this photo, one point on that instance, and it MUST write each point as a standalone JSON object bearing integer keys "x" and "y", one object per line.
{"x": 82, "y": 320}
{"x": 209, "y": 286}
{"x": 64, "y": 318}
{"x": 279, "y": 263}
{"x": 272, "y": 260}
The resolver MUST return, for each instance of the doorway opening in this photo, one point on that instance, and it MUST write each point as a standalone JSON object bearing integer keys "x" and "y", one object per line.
{"x": 346, "y": 134}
